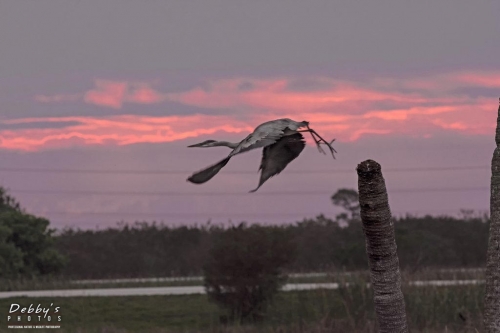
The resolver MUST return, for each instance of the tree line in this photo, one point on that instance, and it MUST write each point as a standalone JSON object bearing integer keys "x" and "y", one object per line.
{"x": 317, "y": 244}
{"x": 29, "y": 248}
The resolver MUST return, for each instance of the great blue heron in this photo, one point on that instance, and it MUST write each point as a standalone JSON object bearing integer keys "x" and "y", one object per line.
{"x": 282, "y": 142}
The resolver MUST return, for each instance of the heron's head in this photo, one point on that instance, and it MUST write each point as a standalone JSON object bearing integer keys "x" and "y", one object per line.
{"x": 305, "y": 123}
{"x": 204, "y": 144}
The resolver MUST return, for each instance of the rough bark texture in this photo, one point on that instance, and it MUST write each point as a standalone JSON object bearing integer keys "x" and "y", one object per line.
{"x": 492, "y": 296}
{"x": 381, "y": 248}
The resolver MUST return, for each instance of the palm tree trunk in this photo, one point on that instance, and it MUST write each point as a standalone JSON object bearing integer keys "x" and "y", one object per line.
{"x": 492, "y": 296}
{"x": 381, "y": 248}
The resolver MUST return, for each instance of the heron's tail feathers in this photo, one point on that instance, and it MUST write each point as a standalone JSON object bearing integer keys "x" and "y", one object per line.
{"x": 206, "y": 174}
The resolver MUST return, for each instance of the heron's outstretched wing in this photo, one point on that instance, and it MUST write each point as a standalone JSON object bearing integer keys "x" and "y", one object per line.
{"x": 277, "y": 156}
{"x": 206, "y": 174}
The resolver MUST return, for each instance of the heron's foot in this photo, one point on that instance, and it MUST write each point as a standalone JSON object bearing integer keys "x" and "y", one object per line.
{"x": 318, "y": 145}
{"x": 319, "y": 140}
{"x": 329, "y": 145}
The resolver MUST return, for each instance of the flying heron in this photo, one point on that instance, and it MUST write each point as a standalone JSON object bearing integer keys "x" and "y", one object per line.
{"x": 282, "y": 142}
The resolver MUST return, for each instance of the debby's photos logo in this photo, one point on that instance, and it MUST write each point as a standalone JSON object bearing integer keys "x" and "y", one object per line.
{"x": 34, "y": 316}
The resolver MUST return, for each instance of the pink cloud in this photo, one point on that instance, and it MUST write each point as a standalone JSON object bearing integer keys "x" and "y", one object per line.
{"x": 107, "y": 93}
{"x": 112, "y": 94}
{"x": 482, "y": 79}
{"x": 271, "y": 94}
{"x": 354, "y": 109}
{"x": 406, "y": 113}
{"x": 344, "y": 110}
{"x": 144, "y": 95}
{"x": 441, "y": 83}
{"x": 119, "y": 130}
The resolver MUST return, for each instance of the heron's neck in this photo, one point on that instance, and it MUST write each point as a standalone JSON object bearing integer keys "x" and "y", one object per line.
{"x": 226, "y": 144}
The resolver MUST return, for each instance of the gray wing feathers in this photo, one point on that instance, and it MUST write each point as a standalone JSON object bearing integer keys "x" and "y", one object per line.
{"x": 267, "y": 134}
{"x": 206, "y": 174}
{"x": 277, "y": 156}
{"x": 257, "y": 139}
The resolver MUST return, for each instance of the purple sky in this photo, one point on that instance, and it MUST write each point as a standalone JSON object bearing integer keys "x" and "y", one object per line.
{"x": 104, "y": 96}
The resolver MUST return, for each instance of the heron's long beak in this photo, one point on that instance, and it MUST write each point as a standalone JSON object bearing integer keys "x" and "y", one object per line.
{"x": 196, "y": 145}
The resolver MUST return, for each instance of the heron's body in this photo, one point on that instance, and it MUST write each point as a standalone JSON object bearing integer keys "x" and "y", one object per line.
{"x": 282, "y": 143}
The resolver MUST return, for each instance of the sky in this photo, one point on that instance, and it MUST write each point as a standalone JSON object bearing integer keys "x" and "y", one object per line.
{"x": 100, "y": 99}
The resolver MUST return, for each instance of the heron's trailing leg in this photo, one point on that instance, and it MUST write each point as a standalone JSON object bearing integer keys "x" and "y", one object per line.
{"x": 318, "y": 143}
{"x": 320, "y": 140}
{"x": 315, "y": 141}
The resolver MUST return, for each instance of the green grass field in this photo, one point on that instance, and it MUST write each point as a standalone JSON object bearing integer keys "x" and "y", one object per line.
{"x": 349, "y": 309}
